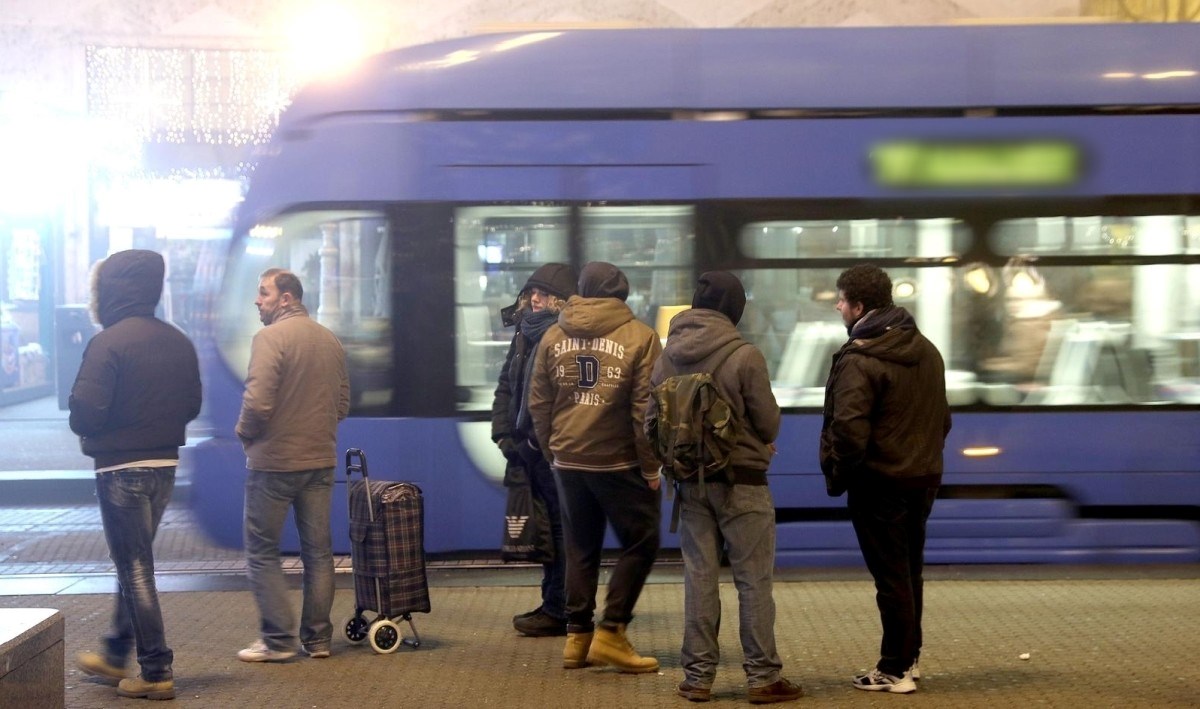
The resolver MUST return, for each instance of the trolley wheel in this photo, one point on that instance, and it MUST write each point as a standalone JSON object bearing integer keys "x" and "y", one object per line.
{"x": 356, "y": 629}
{"x": 384, "y": 636}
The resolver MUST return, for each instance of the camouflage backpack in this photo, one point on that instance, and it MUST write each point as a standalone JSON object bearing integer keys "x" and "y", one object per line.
{"x": 696, "y": 429}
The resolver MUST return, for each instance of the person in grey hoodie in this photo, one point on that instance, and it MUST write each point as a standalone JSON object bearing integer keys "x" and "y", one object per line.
{"x": 732, "y": 508}
{"x": 297, "y": 390}
{"x": 588, "y": 395}
{"x": 137, "y": 388}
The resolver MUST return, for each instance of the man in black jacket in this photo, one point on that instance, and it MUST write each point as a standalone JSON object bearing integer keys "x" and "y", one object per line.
{"x": 137, "y": 388}
{"x": 886, "y": 421}
{"x": 537, "y": 308}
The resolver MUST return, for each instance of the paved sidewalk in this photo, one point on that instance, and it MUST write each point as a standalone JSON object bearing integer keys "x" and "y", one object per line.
{"x": 1097, "y": 642}
{"x": 1097, "y": 636}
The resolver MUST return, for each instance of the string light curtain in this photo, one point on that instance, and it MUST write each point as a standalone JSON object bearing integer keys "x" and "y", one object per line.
{"x": 204, "y": 96}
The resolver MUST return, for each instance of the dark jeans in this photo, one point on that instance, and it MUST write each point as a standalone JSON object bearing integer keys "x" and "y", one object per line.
{"x": 132, "y": 502}
{"x": 890, "y": 524}
{"x": 589, "y": 501}
{"x": 554, "y": 590}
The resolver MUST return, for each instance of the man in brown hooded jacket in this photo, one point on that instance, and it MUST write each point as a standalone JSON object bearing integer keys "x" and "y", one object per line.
{"x": 588, "y": 396}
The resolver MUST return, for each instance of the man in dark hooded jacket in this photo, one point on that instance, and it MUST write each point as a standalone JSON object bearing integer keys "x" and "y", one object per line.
{"x": 137, "y": 388}
{"x": 536, "y": 309}
{"x": 885, "y": 424}
{"x": 731, "y": 508}
{"x": 588, "y": 396}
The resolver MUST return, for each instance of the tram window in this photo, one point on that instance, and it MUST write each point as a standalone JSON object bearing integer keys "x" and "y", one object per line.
{"x": 654, "y": 246}
{"x": 1066, "y": 335}
{"x": 1095, "y": 333}
{"x": 343, "y": 260}
{"x": 790, "y": 316}
{"x": 790, "y": 313}
{"x": 1191, "y": 235}
{"x": 1146, "y": 235}
{"x": 496, "y": 249}
{"x": 855, "y": 238}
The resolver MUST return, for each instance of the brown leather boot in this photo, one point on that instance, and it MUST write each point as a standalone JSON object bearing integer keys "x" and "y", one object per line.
{"x": 611, "y": 647}
{"x": 575, "y": 652}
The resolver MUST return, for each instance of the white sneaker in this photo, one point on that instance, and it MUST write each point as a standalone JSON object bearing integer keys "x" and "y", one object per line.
{"x": 915, "y": 671}
{"x": 876, "y": 681}
{"x": 259, "y": 652}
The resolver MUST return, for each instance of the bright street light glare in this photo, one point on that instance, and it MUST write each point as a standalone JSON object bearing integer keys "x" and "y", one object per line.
{"x": 325, "y": 41}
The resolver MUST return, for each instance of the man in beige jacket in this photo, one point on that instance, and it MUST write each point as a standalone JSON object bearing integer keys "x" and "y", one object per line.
{"x": 297, "y": 390}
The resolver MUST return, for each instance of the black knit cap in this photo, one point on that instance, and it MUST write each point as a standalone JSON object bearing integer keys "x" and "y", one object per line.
{"x": 554, "y": 278}
{"x": 723, "y": 292}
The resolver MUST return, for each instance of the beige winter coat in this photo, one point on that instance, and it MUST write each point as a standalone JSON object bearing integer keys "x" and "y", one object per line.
{"x": 297, "y": 390}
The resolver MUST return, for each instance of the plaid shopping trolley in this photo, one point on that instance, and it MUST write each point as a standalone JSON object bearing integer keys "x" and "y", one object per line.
{"x": 387, "y": 550}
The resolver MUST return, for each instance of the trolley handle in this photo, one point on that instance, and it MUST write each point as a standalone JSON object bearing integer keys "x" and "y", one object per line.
{"x": 361, "y": 468}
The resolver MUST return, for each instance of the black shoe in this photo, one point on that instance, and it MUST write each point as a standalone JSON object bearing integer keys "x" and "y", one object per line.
{"x": 540, "y": 625}
{"x": 527, "y": 614}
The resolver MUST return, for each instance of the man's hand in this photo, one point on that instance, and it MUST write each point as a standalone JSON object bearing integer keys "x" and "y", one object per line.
{"x": 509, "y": 448}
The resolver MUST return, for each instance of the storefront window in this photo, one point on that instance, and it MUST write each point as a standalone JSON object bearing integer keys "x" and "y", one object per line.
{"x": 24, "y": 362}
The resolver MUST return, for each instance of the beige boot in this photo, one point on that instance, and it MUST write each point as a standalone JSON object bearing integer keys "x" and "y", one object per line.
{"x": 575, "y": 652}
{"x": 611, "y": 647}
{"x": 139, "y": 688}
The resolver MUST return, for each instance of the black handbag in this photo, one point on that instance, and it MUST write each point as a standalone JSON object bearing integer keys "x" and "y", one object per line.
{"x": 526, "y": 527}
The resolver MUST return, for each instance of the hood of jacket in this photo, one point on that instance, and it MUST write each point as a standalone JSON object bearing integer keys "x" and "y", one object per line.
{"x": 696, "y": 334}
{"x": 593, "y": 317}
{"x": 126, "y": 284}
{"x": 600, "y": 279}
{"x": 889, "y": 334}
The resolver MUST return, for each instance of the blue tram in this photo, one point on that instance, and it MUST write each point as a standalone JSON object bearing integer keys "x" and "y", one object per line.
{"x": 1033, "y": 191}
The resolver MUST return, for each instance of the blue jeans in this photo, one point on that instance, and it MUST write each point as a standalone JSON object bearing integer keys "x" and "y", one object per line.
{"x": 554, "y": 589}
{"x": 268, "y": 497}
{"x": 132, "y": 502}
{"x": 744, "y": 517}
{"x": 890, "y": 524}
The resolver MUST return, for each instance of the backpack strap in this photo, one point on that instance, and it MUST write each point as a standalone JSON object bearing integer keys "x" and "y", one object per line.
{"x": 730, "y": 349}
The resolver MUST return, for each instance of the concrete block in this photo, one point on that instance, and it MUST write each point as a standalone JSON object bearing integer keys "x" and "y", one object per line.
{"x": 31, "y": 658}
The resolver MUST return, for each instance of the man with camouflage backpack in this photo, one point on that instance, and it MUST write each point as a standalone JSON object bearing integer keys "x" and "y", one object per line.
{"x": 731, "y": 504}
